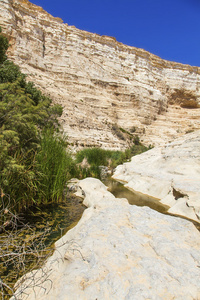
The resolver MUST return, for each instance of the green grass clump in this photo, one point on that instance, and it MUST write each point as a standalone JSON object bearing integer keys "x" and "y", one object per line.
{"x": 94, "y": 156}
{"x": 54, "y": 166}
{"x": 97, "y": 157}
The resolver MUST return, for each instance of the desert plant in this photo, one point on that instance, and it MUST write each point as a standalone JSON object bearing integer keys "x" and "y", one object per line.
{"x": 136, "y": 140}
{"x": 118, "y": 132}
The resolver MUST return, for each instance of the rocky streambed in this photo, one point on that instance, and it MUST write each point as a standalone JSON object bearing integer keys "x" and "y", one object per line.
{"x": 119, "y": 251}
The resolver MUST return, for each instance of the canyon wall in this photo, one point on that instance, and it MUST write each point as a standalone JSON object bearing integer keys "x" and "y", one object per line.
{"x": 103, "y": 85}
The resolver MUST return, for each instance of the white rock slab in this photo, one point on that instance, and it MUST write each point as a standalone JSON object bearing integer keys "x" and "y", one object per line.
{"x": 119, "y": 251}
{"x": 170, "y": 173}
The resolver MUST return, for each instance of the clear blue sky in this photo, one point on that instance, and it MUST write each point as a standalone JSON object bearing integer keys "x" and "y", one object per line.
{"x": 167, "y": 28}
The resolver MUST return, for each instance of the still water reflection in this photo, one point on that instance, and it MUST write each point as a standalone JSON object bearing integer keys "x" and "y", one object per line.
{"x": 119, "y": 191}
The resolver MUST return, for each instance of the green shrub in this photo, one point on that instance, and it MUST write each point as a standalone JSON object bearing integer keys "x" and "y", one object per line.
{"x": 137, "y": 149}
{"x": 118, "y": 132}
{"x": 136, "y": 140}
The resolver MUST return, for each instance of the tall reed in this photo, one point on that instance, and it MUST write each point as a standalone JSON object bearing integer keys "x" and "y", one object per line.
{"x": 54, "y": 165}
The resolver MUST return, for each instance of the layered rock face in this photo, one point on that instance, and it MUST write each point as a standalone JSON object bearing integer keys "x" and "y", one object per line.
{"x": 101, "y": 82}
{"x": 170, "y": 173}
{"x": 119, "y": 251}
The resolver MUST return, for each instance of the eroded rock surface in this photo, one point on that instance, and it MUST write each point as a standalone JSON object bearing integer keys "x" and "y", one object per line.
{"x": 100, "y": 82}
{"x": 170, "y": 173}
{"x": 119, "y": 251}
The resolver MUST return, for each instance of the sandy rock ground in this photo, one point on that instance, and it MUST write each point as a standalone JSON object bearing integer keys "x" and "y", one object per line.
{"x": 120, "y": 251}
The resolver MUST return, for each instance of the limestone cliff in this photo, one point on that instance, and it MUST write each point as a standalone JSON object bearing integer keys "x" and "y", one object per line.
{"x": 101, "y": 82}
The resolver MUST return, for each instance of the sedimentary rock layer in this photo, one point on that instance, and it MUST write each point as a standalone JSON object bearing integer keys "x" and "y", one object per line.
{"x": 101, "y": 82}
{"x": 170, "y": 173}
{"x": 120, "y": 251}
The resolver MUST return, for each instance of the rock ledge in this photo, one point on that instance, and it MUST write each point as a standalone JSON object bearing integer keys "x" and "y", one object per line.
{"x": 170, "y": 173}
{"x": 119, "y": 251}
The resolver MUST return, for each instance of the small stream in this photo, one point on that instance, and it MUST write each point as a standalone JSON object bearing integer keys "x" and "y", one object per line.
{"x": 119, "y": 191}
{"x": 43, "y": 227}
{"x": 58, "y": 217}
